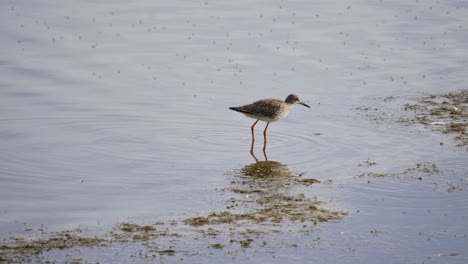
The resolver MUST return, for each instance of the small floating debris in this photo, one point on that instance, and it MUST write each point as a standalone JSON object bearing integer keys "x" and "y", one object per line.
{"x": 451, "y": 254}
{"x": 455, "y": 110}
{"x": 437, "y": 123}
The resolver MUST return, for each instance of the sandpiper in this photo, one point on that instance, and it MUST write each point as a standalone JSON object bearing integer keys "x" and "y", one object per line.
{"x": 268, "y": 110}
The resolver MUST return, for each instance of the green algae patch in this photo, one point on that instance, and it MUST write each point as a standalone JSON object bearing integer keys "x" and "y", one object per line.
{"x": 266, "y": 169}
{"x": 447, "y": 113}
{"x": 20, "y": 248}
{"x": 278, "y": 208}
{"x": 456, "y": 128}
{"x": 197, "y": 221}
{"x": 129, "y": 227}
{"x": 416, "y": 171}
{"x": 125, "y": 232}
{"x": 308, "y": 181}
{"x": 265, "y": 193}
{"x": 216, "y": 218}
{"x": 274, "y": 209}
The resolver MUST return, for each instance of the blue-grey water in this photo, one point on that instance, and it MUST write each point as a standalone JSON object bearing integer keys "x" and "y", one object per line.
{"x": 116, "y": 111}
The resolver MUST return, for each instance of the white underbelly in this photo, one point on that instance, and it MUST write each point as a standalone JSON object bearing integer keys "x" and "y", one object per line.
{"x": 279, "y": 116}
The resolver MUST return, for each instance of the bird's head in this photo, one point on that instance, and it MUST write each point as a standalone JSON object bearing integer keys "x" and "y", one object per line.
{"x": 294, "y": 99}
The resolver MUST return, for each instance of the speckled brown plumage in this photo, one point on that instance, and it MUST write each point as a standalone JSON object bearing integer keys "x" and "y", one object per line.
{"x": 265, "y": 109}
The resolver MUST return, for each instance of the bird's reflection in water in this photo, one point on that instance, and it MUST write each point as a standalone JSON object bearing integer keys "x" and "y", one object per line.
{"x": 266, "y": 192}
{"x": 265, "y": 169}
{"x": 253, "y": 154}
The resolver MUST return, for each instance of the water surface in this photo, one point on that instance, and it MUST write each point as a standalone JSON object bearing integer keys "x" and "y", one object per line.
{"x": 116, "y": 111}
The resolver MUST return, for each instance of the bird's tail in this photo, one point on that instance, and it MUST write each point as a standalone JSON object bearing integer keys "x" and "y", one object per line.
{"x": 238, "y": 109}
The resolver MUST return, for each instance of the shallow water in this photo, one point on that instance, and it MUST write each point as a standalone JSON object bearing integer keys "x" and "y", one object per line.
{"x": 114, "y": 112}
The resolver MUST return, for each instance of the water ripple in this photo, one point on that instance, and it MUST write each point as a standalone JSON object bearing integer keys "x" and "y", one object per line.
{"x": 408, "y": 193}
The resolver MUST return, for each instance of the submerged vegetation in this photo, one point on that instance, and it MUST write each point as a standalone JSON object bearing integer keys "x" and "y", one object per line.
{"x": 275, "y": 209}
{"x": 447, "y": 113}
{"x": 262, "y": 196}
{"x": 20, "y": 248}
{"x": 417, "y": 171}
{"x": 444, "y": 112}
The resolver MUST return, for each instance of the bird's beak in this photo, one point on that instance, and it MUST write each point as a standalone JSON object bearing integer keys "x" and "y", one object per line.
{"x": 304, "y": 104}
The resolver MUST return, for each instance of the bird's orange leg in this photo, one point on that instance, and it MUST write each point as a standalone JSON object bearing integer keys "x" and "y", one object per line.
{"x": 253, "y": 137}
{"x": 252, "y": 129}
{"x": 265, "y": 137}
